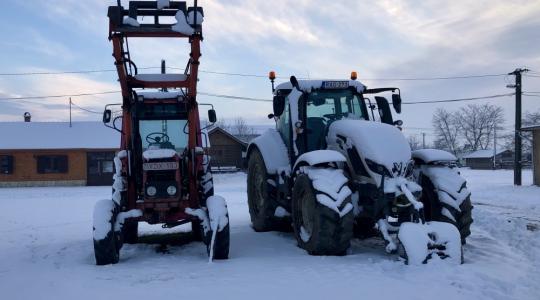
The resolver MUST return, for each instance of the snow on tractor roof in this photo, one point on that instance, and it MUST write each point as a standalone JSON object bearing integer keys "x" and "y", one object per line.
{"x": 57, "y": 135}
{"x": 309, "y": 85}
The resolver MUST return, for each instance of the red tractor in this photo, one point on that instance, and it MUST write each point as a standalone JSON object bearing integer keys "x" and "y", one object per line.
{"x": 162, "y": 173}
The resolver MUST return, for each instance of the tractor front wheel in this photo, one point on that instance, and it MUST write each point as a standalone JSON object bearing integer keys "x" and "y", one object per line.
{"x": 217, "y": 244}
{"x": 106, "y": 240}
{"x": 318, "y": 229}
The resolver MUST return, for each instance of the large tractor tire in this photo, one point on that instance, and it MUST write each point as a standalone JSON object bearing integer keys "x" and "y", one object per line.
{"x": 107, "y": 241}
{"x": 317, "y": 228}
{"x": 434, "y": 207}
{"x": 261, "y": 201}
{"x": 219, "y": 219}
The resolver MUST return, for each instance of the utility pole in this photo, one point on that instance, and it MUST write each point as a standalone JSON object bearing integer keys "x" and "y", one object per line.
{"x": 423, "y": 140}
{"x": 517, "y": 134}
{"x": 70, "y": 111}
{"x": 494, "y": 146}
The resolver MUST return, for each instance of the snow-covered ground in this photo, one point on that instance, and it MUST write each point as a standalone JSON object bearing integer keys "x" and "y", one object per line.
{"x": 46, "y": 253}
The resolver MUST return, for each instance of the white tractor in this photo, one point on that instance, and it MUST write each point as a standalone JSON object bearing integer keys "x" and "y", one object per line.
{"x": 337, "y": 166}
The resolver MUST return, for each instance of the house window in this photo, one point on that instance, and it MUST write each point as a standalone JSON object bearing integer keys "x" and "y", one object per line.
{"x": 6, "y": 164}
{"x": 51, "y": 164}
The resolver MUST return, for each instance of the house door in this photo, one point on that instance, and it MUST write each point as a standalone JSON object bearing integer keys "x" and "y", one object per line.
{"x": 99, "y": 168}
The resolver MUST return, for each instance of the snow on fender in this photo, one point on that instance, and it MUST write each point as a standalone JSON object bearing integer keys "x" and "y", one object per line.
{"x": 103, "y": 213}
{"x": 217, "y": 212}
{"x": 420, "y": 241}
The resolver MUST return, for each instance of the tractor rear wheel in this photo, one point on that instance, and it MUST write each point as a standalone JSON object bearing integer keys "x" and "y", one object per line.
{"x": 261, "y": 201}
{"x": 433, "y": 208}
{"x": 106, "y": 240}
{"x": 318, "y": 229}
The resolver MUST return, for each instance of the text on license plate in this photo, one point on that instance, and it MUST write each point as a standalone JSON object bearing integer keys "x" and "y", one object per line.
{"x": 160, "y": 166}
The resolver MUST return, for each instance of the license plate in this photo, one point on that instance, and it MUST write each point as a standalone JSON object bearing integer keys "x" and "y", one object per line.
{"x": 160, "y": 166}
{"x": 335, "y": 85}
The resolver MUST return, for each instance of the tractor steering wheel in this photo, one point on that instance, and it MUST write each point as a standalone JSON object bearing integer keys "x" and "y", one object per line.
{"x": 157, "y": 138}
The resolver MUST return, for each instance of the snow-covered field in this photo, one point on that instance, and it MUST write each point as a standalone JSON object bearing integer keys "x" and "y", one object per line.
{"x": 46, "y": 253}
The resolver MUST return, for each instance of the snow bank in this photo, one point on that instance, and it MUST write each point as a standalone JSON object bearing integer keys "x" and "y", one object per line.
{"x": 274, "y": 152}
{"x": 182, "y": 26}
{"x": 158, "y": 153}
{"x": 433, "y": 155}
{"x": 381, "y": 143}
{"x": 332, "y": 183}
{"x": 320, "y": 156}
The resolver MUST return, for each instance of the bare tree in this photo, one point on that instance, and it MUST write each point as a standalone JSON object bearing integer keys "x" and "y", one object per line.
{"x": 530, "y": 119}
{"x": 415, "y": 142}
{"x": 446, "y": 130}
{"x": 241, "y": 128}
{"x": 223, "y": 124}
{"x": 476, "y": 123}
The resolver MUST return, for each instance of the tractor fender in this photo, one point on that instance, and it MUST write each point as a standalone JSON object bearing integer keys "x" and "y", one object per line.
{"x": 318, "y": 157}
{"x": 429, "y": 156}
{"x": 273, "y": 151}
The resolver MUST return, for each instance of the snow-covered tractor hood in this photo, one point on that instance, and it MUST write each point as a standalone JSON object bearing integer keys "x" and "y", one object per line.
{"x": 380, "y": 143}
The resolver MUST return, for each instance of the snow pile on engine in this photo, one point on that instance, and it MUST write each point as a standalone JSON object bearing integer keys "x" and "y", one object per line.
{"x": 381, "y": 143}
{"x": 274, "y": 152}
{"x": 424, "y": 241}
{"x": 333, "y": 187}
{"x": 449, "y": 185}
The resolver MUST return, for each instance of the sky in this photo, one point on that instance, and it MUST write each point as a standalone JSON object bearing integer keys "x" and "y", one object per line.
{"x": 311, "y": 39}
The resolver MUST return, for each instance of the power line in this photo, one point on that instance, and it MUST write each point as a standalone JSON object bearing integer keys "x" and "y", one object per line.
{"x": 461, "y": 99}
{"x": 86, "y": 109}
{"x": 58, "y": 96}
{"x": 255, "y": 75}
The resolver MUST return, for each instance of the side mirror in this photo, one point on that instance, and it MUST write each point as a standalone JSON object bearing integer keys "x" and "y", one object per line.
{"x": 279, "y": 105}
{"x": 212, "y": 118}
{"x": 294, "y": 83}
{"x": 107, "y": 114}
{"x": 396, "y": 102}
{"x": 384, "y": 110}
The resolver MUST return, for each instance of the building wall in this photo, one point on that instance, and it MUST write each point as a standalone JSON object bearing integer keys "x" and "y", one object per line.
{"x": 25, "y": 169}
{"x": 225, "y": 151}
{"x": 536, "y": 156}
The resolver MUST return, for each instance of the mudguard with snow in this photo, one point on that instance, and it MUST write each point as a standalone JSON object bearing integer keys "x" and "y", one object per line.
{"x": 421, "y": 242}
{"x": 445, "y": 194}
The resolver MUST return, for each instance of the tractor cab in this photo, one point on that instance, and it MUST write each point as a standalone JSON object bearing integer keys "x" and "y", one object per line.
{"x": 321, "y": 103}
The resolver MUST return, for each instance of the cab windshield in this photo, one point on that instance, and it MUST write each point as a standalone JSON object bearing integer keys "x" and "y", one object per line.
{"x": 330, "y": 105}
{"x": 163, "y": 134}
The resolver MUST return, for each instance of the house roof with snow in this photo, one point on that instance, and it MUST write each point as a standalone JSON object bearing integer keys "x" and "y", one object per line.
{"x": 488, "y": 153}
{"x": 57, "y": 135}
{"x": 219, "y": 129}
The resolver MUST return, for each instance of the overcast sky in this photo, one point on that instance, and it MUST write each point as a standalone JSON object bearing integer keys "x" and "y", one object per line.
{"x": 315, "y": 39}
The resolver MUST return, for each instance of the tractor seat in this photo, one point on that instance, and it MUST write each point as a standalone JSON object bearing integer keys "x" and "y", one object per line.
{"x": 316, "y": 128}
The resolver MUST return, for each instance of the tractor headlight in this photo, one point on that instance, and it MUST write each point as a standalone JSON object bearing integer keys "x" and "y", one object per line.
{"x": 171, "y": 190}
{"x": 151, "y": 191}
{"x": 378, "y": 168}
